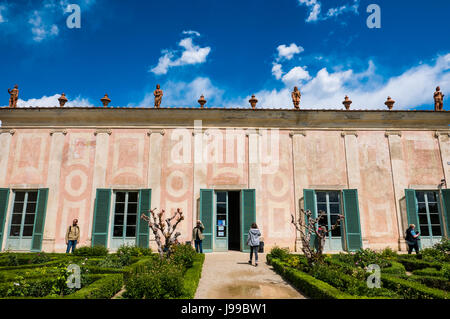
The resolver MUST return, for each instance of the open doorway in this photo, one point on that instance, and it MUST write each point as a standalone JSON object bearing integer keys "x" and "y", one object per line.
{"x": 234, "y": 220}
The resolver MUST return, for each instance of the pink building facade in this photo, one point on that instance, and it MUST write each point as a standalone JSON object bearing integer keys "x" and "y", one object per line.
{"x": 382, "y": 170}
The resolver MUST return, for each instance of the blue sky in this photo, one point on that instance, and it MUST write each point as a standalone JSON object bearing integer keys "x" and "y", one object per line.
{"x": 226, "y": 50}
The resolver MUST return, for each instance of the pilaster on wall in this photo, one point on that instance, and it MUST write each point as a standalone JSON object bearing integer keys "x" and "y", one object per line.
{"x": 254, "y": 169}
{"x": 5, "y": 143}
{"x": 354, "y": 175}
{"x": 200, "y": 172}
{"x": 300, "y": 175}
{"x": 53, "y": 178}
{"x": 399, "y": 180}
{"x": 155, "y": 171}
{"x": 100, "y": 166}
{"x": 444, "y": 147}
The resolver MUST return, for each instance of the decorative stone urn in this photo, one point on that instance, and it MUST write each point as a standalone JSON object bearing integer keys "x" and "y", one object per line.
{"x": 253, "y": 101}
{"x": 62, "y": 100}
{"x": 390, "y": 103}
{"x": 202, "y": 101}
{"x": 105, "y": 100}
{"x": 347, "y": 102}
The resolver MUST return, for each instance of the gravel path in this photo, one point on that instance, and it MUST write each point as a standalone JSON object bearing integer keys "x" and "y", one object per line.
{"x": 229, "y": 276}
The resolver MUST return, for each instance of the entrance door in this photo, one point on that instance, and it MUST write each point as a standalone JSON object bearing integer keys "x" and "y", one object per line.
{"x": 221, "y": 222}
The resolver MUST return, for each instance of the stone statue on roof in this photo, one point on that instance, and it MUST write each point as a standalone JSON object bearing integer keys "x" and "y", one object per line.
{"x": 296, "y": 96}
{"x": 438, "y": 100}
{"x": 14, "y": 96}
{"x": 158, "y": 96}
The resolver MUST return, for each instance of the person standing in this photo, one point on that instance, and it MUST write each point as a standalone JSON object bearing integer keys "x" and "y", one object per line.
{"x": 253, "y": 241}
{"x": 72, "y": 236}
{"x": 412, "y": 238}
{"x": 197, "y": 236}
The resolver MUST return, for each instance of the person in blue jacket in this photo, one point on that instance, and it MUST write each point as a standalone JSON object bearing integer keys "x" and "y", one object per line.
{"x": 412, "y": 238}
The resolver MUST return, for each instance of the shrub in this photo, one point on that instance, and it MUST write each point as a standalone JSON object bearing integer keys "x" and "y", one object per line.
{"x": 192, "y": 277}
{"x": 155, "y": 279}
{"x": 411, "y": 289}
{"x": 443, "y": 246}
{"x": 12, "y": 260}
{"x": 133, "y": 251}
{"x": 388, "y": 253}
{"x": 446, "y": 271}
{"x": 433, "y": 255}
{"x": 396, "y": 268}
{"x": 113, "y": 261}
{"x": 279, "y": 253}
{"x": 40, "y": 258}
{"x": 366, "y": 257}
{"x": 104, "y": 288}
{"x": 183, "y": 255}
{"x": 91, "y": 251}
{"x": 412, "y": 264}
{"x": 427, "y": 272}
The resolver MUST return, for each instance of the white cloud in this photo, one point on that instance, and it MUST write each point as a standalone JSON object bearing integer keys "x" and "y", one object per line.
{"x": 288, "y": 52}
{"x": 52, "y": 101}
{"x": 186, "y": 94}
{"x": 327, "y": 89}
{"x": 3, "y": 9}
{"x": 296, "y": 75}
{"x": 315, "y": 8}
{"x": 40, "y": 29}
{"x": 191, "y": 32}
{"x": 277, "y": 70}
{"x": 191, "y": 54}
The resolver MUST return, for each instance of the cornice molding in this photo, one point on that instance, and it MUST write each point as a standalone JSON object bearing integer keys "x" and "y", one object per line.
{"x": 293, "y": 133}
{"x": 437, "y": 134}
{"x": 52, "y": 132}
{"x": 162, "y": 132}
{"x": 12, "y": 132}
{"x": 347, "y": 133}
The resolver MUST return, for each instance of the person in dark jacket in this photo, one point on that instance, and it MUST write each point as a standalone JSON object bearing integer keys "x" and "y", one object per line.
{"x": 197, "y": 236}
{"x": 253, "y": 241}
{"x": 412, "y": 238}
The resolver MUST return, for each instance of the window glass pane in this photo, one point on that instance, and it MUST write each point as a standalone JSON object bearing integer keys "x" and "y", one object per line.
{"x": 334, "y": 209}
{"x": 431, "y": 196}
{"x": 118, "y": 219}
{"x": 433, "y": 208}
{"x": 133, "y": 197}
{"x": 132, "y": 208}
{"x": 20, "y": 197}
{"x": 323, "y": 221}
{"x": 16, "y": 219}
{"x": 221, "y": 197}
{"x": 321, "y": 207}
{"x": 131, "y": 220}
{"x": 131, "y": 231}
{"x": 31, "y": 208}
{"x": 420, "y": 196}
{"x": 28, "y": 230}
{"x": 334, "y": 196}
{"x": 120, "y": 197}
{"x": 118, "y": 231}
{"x": 423, "y": 220}
{"x": 29, "y": 219}
{"x": 422, "y": 208}
{"x": 336, "y": 232}
{"x": 434, "y": 219}
{"x": 221, "y": 209}
{"x": 15, "y": 231}
{"x": 333, "y": 219}
{"x": 32, "y": 196}
{"x": 321, "y": 197}
{"x": 18, "y": 208}
{"x": 436, "y": 229}
{"x": 120, "y": 208}
{"x": 424, "y": 231}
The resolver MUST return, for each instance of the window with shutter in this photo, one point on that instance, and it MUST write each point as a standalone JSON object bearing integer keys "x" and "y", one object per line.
{"x": 4, "y": 198}
{"x": 143, "y": 237}
{"x": 352, "y": 220}
{"x": 445, "y": 195}
{"x": 206, "y": 216}
{"x": 39, "y": 220}
{"x": 101, "y": 217}
{"x": 309, "y": 198}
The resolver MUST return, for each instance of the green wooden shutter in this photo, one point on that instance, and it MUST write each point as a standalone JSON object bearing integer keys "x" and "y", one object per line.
{"x": 101, "y": 218}
{"x": 445, "y": 195}
{"x": 206, "y": 216}
{"x": 143, "y": 231}
{"x": 39, "y": 220}
{"x": 248, "y": 215}
{"x": 351, "y": 220}
{"x": 309, "y": 198}
{"x": 4, "y": 199}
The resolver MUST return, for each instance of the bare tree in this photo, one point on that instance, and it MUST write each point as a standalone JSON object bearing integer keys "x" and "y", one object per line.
{"x": 164, "y": 228}
{"x": 309, "y": 228}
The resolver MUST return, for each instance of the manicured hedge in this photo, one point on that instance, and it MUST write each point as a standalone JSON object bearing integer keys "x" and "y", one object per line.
{"x": 192, "y": 277}
{"x": 104, "y": 288}
{"x": 432, "y": 282}
{"x": 411, "y": 289}
{"x": 427, "y": 272}
{"x": 307, "y": 284}
{"x": 396, "y": 268}
{"x": 412, "y": 264}
{"x": 30, "y": 266}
